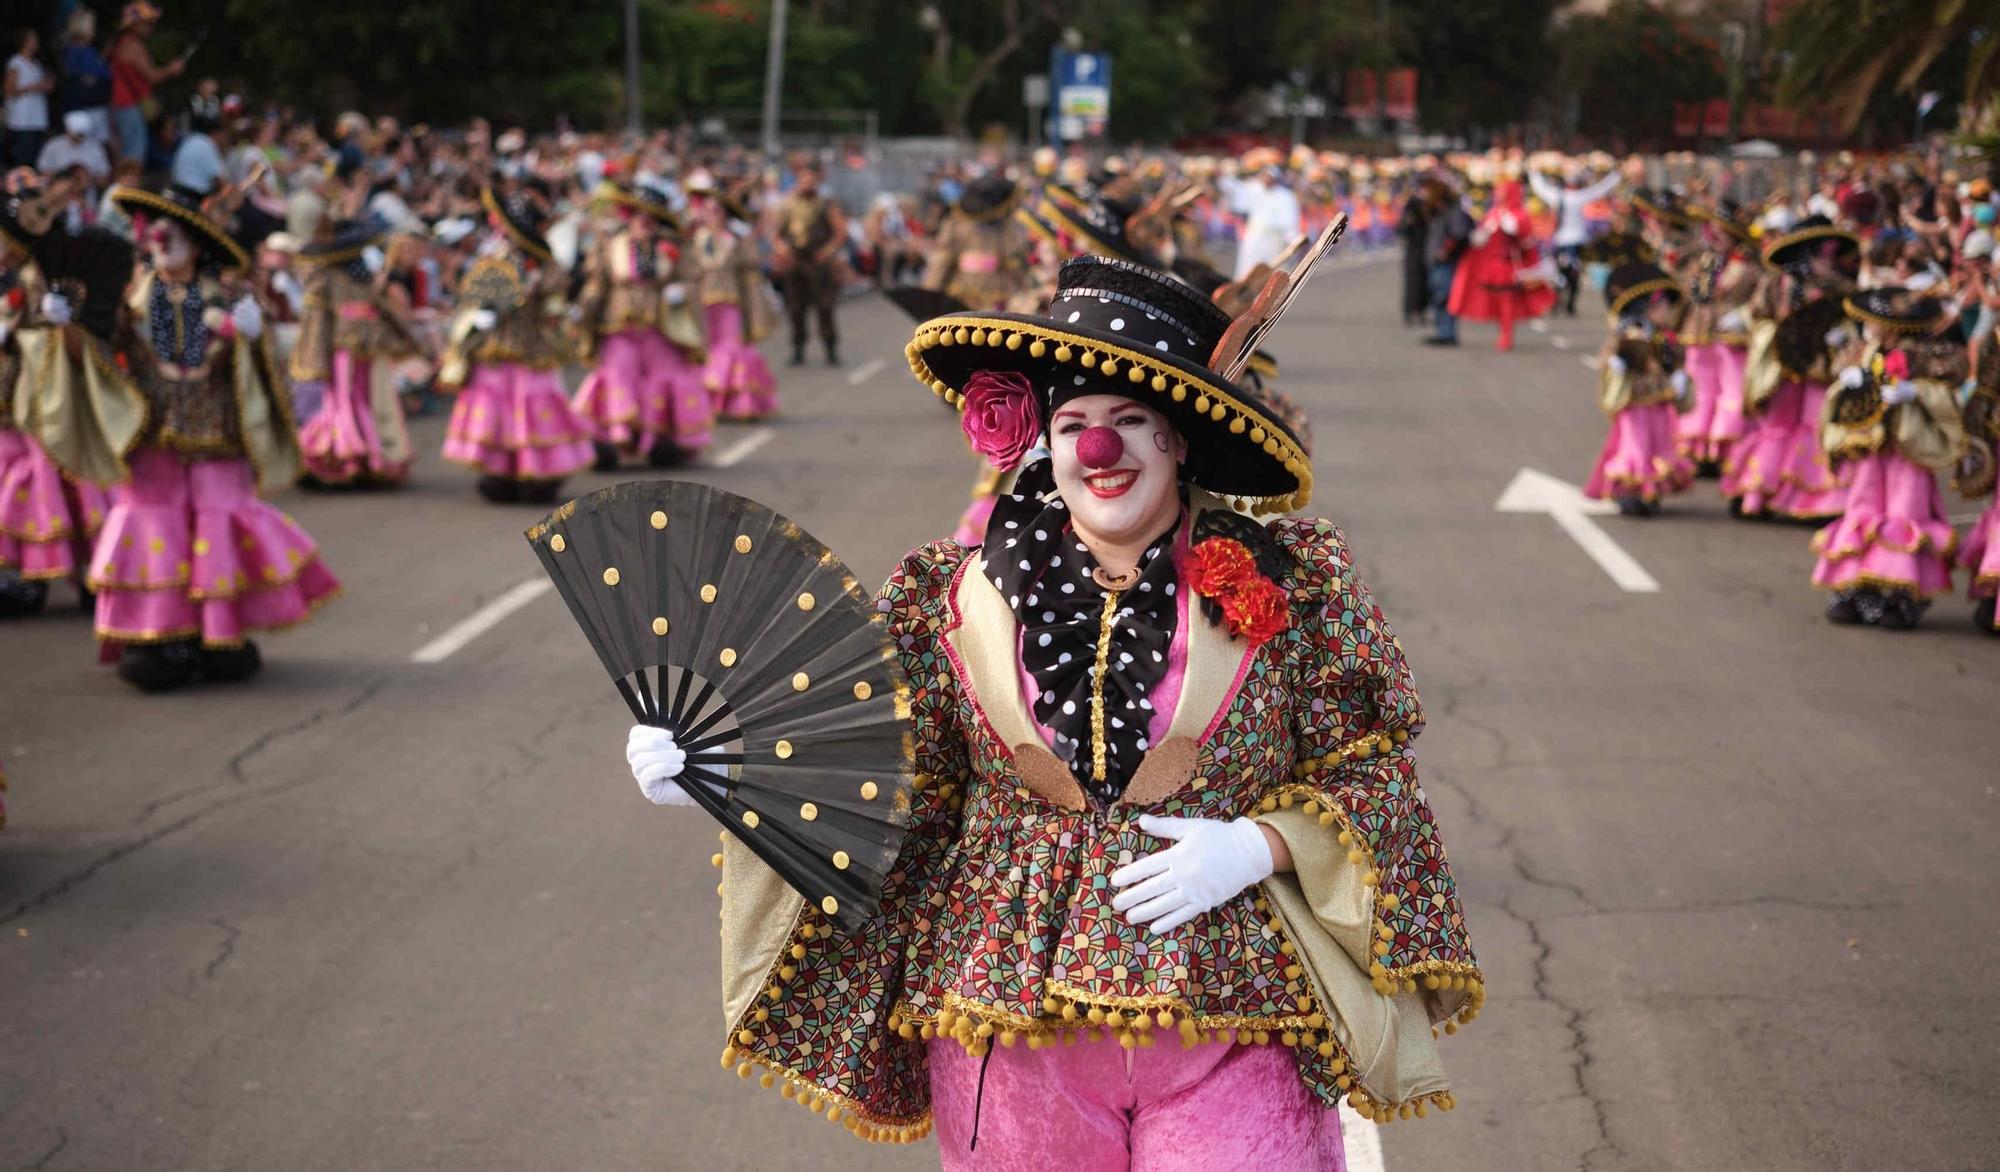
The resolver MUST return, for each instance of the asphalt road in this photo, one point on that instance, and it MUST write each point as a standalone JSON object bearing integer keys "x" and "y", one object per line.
{"x": 1728, "y": 867}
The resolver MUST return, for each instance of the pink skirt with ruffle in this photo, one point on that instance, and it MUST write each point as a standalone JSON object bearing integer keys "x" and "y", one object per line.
{"x": 736, "y": 374}
{"x": 1894, "y": 535}
{"x": 515, "y": 421}
{"x": 47, "y": 520}
{"x": 188, "y": 550}
{"x": 1709, "y": 431}
{"x": 341, "y": 444}
{"x": 1980, "y": 555}
{"x": 1641, "y": 457}
{"x": 1779, "y": 467}
{"x": 645, "y": 389}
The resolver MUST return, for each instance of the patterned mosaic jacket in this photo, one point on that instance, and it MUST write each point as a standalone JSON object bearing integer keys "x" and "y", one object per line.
{"x": 996, "y": 925}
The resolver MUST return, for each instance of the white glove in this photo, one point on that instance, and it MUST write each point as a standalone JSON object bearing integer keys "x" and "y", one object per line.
{"x": 484, "y": 320}
{"x": 373, "y": 258}
{"x": 1616, "y": 363}
{"x": 1510, "y": 224}
{"x": 1898, "y": 392}
{"x": 1732, "y": 322}
{"x": 1210, "y": 862}
{"x": 1680, "y": 381}
{"x": 1852, "y": 378}
{"x": 1838, "y": 336}
{"x": 677, "y": 293}
{"x": 248, "y": 318}
{"x": 655, "y": 762}
{"x": 55, "y": 309}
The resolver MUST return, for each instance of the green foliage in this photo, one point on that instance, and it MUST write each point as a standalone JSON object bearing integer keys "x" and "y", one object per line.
{"x": 1627, "y": 67}
{"x": 1842, "y": 55}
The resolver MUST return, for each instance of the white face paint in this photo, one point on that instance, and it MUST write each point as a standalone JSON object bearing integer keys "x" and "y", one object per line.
{"x": 169, "y": 246}
{"x": 1137, "y": 496}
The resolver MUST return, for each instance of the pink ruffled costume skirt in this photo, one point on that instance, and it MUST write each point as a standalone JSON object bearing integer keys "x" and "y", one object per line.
{"x": 1641, "y": 456}
{"x": 341, "y": 444}
{"x": 1709, "y": 431}
{"x": 644, "y": 389}
{"x": 1096, "y": 1107}
{"x": 515, "y": 421}
{"x": 1894, "y": 534}
{"x": 1778, "y": 467}
{"x": 736, "y": 374}
{"x": 47, "y": 520}
{"x": 188, "y": 550}
{"x": 1981, "y": 554}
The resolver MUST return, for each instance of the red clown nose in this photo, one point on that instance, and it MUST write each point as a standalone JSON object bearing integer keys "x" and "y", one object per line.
{"x": 1099, "y": 447}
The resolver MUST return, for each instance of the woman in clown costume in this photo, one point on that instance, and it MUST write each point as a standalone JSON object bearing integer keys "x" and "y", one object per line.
{"x": 1171, "y": 889}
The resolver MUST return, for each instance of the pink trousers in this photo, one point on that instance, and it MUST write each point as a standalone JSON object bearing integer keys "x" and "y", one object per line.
{"x": 1097, "y": 1107}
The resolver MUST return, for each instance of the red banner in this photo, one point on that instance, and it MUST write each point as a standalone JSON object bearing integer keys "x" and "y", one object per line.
{"x": 1715, "y": 117}
{"x": 1687, "y": 119}
{"x": 1399, "y": 91}
{"x": 1361, "y": 93}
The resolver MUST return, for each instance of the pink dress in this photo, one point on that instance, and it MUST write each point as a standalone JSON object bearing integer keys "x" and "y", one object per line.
{"x": 343, "y": 443}
{"x": 1710, "y": 430}
{"x": 1894, "y": 535}
{"x": 47, "y": 519}
{"x": 515, "y": 421}
{"x": 1980, "y": 555}
{"x": 1779, "y": 468}
{"x": 1641, "y": 457}
{"x": 736, "y": 374}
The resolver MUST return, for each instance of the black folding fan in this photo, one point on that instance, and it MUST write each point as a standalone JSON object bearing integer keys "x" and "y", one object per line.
{"x": 751, "y": 642}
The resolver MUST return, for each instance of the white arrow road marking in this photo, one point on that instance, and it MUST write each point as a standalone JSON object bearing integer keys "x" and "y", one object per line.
{"x": 864, "y": 372}
{"x": 1537, "y": 492}
{"x": 1362, "y": 1139}
{"x": 481, "y": 621}
{"x": 734, "y": 453}
{"x": 1561, "y": 342}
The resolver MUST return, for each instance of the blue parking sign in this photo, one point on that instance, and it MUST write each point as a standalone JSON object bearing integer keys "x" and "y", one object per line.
{"x": 1082, "y": 107}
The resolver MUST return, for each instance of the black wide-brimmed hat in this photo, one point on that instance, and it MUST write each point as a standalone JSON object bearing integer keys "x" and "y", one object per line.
{"x": 522, "y": 223}
{"x": 1120, "y": 328}
{"x": 1728, "y": 216}
{"x": 1813, "y": 232}
{"x": 641, "y": 198}
{"x": 1664, "y": 204}
{"x": 1629, "y": 283}
{"x": 25, "y": 217}
{"x": 1085, "y": 225}
{"x": 1896, "y": 309}
{"x": 217, "y": 246}
{"x": 988, "y": 198}
{"x": 350, "y": 239}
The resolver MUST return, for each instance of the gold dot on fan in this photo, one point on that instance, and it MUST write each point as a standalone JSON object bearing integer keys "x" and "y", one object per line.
{"x": 807, "y": 601}
{"x": 659, "y": 519}
{"x": 868, "y": 791}
{"x": 557, "y": 543}
{"x": 708, "y": 592}
{"x": 742, "y": 543}
{"x": 862, "y": 691}
{"x": 801, "y": 682}
{"x": 659, "y": 626}
{"x": 611, "y": 576}
{"x": 808, "y": 811}
{"x": 829, "y": 905}
{"x": 728, "y": 657}
{"x": 840, "y": 860}
{"x": 750, "y": 819}
{"x": 783, "y": 749}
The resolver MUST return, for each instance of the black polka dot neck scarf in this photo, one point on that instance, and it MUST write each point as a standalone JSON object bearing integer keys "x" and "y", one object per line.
{"x": 1073, "y": 630}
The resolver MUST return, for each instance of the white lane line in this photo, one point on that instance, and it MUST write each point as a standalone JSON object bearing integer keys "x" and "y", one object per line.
{"x": 734, "y": 454}
{"x": 1589, "y": 361}
{"x": 1533, "y": 491}
{"x": 481, "y": 621}
{"x": 1362, "y": 1139}
{"x": 1539, "y": 325}
{"x": 864, "y": 372}
{"x": 1561, "y": 342}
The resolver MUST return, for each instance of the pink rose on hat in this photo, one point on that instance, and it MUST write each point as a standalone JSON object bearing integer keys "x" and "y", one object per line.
{"x": 1001, "y": 419}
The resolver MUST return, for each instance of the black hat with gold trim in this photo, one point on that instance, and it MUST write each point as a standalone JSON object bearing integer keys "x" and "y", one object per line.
{"x": 25, "y": 217}
{"x": 350, "y": 239}
{"x": 1087, "y": 226}
{"x": 1728, "y": 216}
{"x": 1120, "y": 328}
{"x": 1665, "y": 205}
{"x": 184, "y": 207}
{"x": 1897, "y": 310}
{"x": 521, "y": 221}
{"x": 1807, "y": 236}
{"x": 1630, "y": 284}
{"x": 989, "y": 198}
{"x": 641, "y": 198}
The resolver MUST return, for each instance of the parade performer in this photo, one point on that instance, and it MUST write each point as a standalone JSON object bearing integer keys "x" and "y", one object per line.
{"x": 1893, "y": 413}
{"x": 1720, "y": 281}
{"x": 811, "y": 232}
{"x": 1166, "y": 792}
{"x": 355, "y": 329}
{"x": 47, "y": 520}
{"x": 1975, "y": 479}
{"x": 1779, "y": 468}
{"x": 188, "y": 416}
{"x": 512, "y": 423}
{"x": 1502, "y": 277}
{"x": 981, "y": 253}
{"x": 735, "y": 306}
{"x": 1640, "y": 381}
{"x": 637, "y": 313}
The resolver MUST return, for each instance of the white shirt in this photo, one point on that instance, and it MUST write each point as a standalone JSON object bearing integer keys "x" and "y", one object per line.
{"x": 62, "y": 152}
{"x": 26, "y": 111}
{"x": 1568, "y": 205}
{"x": 1273, "y": 222}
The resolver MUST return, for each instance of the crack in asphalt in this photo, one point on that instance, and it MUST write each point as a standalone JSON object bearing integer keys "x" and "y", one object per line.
{"x": 84, "y": 874}
{"x": 62, "y": 1141}
{"x": 224, "y": 951}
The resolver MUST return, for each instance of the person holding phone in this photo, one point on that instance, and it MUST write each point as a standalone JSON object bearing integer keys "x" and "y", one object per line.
{"x": 133, "y": 76}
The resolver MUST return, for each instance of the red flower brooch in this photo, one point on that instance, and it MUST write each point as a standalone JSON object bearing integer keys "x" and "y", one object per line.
{"x": 1253, "y": 606}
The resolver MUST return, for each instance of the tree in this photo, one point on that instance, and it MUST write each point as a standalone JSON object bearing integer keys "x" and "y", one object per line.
{"x": 1841, "y": 54}
{"x": 1623, "y": 71}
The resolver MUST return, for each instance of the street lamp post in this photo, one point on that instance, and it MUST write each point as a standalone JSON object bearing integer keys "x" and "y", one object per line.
{"x": 774, "y": 77}
{"x": 632, "y": 67}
